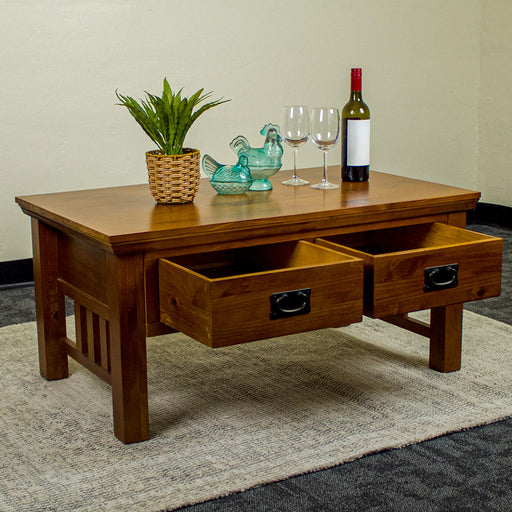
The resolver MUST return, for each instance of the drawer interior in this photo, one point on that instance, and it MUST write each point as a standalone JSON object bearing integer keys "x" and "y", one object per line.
{"x": 406, "y": 238}
{"x": 422, "y": 266}
{"x": 233, "y": 296}
{"x": 265, "y": 258}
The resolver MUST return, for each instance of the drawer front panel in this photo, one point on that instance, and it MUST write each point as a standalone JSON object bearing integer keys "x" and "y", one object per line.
{"x": 232, "y": 309}
{"x": 399, "y": 281}
{"x": 448, "y": 266}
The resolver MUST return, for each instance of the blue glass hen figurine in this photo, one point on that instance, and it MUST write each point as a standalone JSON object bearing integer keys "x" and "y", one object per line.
{"x": 228, "y": 179}
{"x": 263, "y": 162}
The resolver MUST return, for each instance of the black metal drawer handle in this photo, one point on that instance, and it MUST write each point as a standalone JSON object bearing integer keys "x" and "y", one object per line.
{"x": 290, "y": 303}
{"x": 285, "y": 299}
{"x": 441, "y": 278}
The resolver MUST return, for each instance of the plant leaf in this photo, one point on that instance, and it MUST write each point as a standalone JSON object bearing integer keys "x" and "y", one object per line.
{"x": 185, "y": 116}
{"x": 167, "y": 92}
{"x": 205, "y": 107}
{"x": 167, "y": 119}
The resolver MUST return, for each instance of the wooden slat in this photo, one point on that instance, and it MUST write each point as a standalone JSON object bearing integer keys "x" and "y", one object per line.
{"x": 83, "y": 298}
{"x": 81, "y": 328}
{"x": 85, "y": 361}
{"x": 93, "y": 336}
{"x": 411, "y": 324}
{"x": 104, "y": 344}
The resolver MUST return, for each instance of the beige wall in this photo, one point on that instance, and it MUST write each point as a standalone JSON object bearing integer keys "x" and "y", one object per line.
{"x": 495, "y": 121}
{"x": 63, "y": 59}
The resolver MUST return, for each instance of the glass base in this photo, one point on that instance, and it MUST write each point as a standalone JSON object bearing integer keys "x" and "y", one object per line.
{"x": 295, "y": 182}
{"x": 260, "y": 185}
{"x": 325, "y": 185}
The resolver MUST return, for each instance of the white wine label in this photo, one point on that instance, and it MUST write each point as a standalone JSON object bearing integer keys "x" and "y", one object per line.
{"x": 358, "y": 142}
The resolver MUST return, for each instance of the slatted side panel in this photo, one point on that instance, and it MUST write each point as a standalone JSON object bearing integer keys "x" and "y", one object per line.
{"x": 92, "y": 336}
{"x": 91, "y": 346}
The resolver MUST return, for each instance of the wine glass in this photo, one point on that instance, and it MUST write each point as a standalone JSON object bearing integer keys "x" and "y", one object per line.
{"x": 295, "y": 132}
{"x": 325, "y": 134}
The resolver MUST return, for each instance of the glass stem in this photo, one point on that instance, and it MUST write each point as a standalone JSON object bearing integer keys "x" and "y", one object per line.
{"x": 294, "y": 163}
{"x": 324, "y": 179}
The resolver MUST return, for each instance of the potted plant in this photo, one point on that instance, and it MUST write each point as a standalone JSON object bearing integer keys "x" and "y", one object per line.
{"x": 173, "y": 170}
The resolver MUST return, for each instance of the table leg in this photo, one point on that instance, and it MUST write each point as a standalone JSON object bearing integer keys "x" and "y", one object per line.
{"x": 446, "y": 324}
{"x": 128, "y": 347}
{"x": 446, "y": 338}
{"x": 50, "y": 307}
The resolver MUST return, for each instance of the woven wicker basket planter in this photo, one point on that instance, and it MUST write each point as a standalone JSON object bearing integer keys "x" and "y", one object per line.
{"x": 173, "y": 179}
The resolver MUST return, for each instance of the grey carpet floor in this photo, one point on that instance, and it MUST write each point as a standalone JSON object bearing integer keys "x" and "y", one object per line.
{"x": 465, "y": 471}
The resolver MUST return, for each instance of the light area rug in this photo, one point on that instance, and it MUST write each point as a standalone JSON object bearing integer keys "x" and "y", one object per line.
{"x": 227, "y": 419}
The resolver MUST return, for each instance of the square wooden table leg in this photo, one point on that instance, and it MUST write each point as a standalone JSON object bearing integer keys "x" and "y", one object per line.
{"x": 50, "y": 306}
{"x": 128, "y": 347}
{"x": 446, "y": 324}
{"x": 446, "y": 338}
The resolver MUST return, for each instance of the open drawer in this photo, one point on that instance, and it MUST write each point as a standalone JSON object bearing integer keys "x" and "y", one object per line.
{"x": 422, "y": 266}
{"x": 238, "y": 295}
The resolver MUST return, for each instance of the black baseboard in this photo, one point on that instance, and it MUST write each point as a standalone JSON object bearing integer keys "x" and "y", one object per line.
{"x": 16, "y": 273}
{"x": 20, "y": 272}
{"x": 491, "y": 214}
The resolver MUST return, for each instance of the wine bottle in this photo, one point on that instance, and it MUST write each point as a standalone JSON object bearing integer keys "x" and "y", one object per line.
{"x": 355, "y": 133}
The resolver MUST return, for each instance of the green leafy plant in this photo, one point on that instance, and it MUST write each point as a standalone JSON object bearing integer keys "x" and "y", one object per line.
{"x": 166, "y": 120}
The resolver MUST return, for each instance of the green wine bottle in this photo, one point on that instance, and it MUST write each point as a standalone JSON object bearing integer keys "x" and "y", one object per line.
{"x": 355, "y": 133}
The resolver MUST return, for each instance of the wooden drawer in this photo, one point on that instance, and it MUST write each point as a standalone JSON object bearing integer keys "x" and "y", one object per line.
{"x": 227, "y": 297}
{"x": 423, "y": 266}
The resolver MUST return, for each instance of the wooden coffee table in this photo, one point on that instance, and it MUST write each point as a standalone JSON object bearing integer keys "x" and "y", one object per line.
{"x": 295, "y": 258}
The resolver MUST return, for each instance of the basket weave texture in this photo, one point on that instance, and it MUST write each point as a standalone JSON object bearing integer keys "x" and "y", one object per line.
{"x": 173, "y": 178}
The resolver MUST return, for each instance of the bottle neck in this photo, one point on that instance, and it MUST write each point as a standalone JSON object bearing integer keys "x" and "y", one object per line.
{"x": 356, "y": 96}
{"x": 355, "y": 83}
{"x": 356, "y": 86}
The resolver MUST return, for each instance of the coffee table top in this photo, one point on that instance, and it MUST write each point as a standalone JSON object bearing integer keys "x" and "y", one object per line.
{"x": 124, "y": 219}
